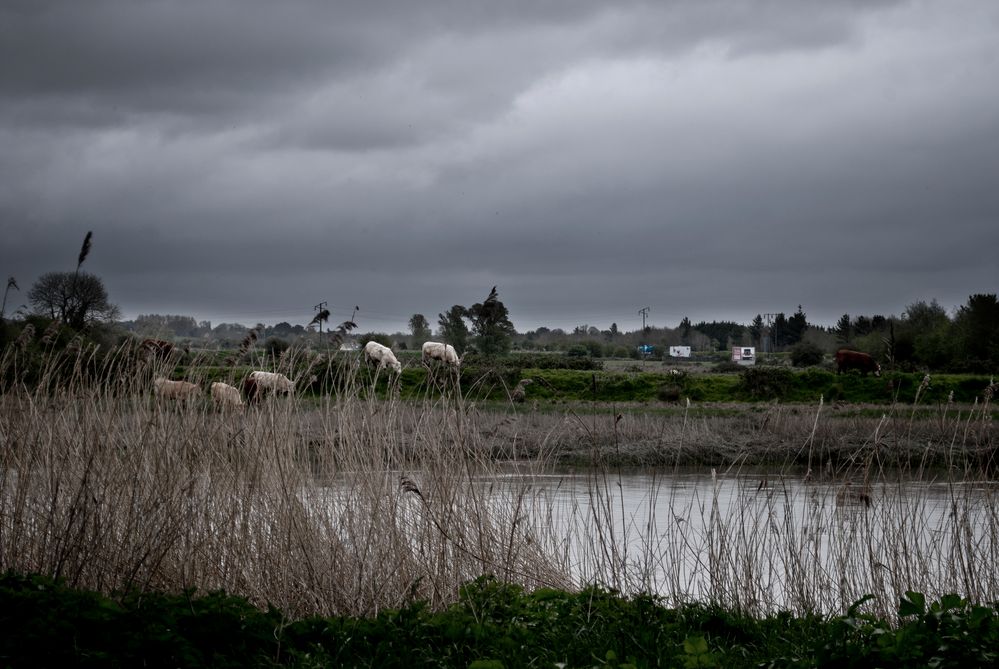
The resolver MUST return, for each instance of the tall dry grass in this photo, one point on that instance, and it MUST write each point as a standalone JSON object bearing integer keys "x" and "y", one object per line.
{"x": 347, "y": 507}
{"x": 349, "y": 504}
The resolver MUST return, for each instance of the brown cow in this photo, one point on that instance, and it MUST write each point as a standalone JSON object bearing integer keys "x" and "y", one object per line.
{"x": 847, "y": 360}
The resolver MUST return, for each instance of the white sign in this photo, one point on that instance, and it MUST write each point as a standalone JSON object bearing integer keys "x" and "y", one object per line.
{"x": 679, "y": 351}
{"x": 744, "y": 355}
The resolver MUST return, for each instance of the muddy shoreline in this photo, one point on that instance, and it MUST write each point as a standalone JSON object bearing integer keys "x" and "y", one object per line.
{"x": 830, "y": 437}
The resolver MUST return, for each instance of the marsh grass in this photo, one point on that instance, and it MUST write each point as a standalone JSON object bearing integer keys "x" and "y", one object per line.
{"x": 357, "y": 501}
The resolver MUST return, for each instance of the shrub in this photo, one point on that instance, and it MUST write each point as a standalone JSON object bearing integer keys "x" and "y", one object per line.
{"x": 806, "y": 354}
{"x": 379, "y": 337}
{"x": 669, "y": 392}
{"x": 524, "y": 360}
{"x": 766, "y": 382}
{"x": 275, "y": 346}
{"x": 728, "y": 366}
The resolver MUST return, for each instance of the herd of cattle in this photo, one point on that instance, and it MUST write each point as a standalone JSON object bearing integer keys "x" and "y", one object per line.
{"x": 259, "y": 384}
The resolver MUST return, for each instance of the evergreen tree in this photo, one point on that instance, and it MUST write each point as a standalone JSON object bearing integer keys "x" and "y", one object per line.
{"x": 685, "y": 328}
{"x": 796, "y": 326}
{"x": 453, "y": 329}
{"x": 977, "y": 324}
{"x": 756, "y": 331}
{"x": 420, "y": 328}
{"x": 843, "y": 329}
{"x": 491, "y": 325}
{"x": 779, "y": 331}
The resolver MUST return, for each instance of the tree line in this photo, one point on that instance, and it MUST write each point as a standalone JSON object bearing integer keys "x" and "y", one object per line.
{"x": 924, "y": 336}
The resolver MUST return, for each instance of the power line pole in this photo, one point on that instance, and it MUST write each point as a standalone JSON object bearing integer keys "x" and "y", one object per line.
{"x": 319, "y": 307}
{"x": 644, "y": 311}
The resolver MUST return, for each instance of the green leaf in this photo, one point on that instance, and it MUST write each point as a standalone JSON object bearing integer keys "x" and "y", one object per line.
{"x": 912, "y": 604}
{"x": 951, "y": 601}
{"x": 852, "y": 611}
{"x": 696, "y": 645}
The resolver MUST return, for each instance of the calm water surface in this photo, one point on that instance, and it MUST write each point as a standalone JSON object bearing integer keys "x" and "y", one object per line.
{"x": 758, "y": 539}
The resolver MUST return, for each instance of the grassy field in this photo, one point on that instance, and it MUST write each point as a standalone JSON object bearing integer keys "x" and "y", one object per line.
{"x": 658, "y": 387}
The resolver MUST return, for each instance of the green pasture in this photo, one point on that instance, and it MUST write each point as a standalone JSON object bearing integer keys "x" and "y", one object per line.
{"x": 756, "y": 384}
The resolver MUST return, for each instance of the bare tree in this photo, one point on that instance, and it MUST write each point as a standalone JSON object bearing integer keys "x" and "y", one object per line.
{"x": 75, "y": 298}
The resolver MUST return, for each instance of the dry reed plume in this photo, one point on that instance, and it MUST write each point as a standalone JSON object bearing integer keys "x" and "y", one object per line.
{"x": 350, "y": 505}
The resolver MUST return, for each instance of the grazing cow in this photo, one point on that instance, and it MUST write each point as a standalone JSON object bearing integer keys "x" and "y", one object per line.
{"x": 847, "y": 360}
{"x": 157, "y": 348}
{"x": 433, "y": 350}
{"x": 181, "y": 391}
{"x": 258, "y": 384}
{"x": 226, "y": 396}
{"x": 382, "y": 355}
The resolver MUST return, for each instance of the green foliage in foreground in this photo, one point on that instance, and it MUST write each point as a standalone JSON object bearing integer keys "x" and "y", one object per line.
{"x": 492, "y": 625}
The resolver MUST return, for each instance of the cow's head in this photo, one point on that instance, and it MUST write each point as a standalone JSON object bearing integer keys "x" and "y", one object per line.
{"x": 877, "y": 369}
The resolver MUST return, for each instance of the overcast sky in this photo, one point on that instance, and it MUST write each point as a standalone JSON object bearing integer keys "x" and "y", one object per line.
{"x": 240, "y": 161}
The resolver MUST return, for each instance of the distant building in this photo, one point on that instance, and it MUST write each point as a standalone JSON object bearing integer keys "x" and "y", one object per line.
{"x": 744, "y": 355}
{"x": 679, "y": 351}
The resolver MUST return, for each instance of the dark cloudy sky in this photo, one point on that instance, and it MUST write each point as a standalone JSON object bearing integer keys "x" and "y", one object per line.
{"x": 243, "y": 160}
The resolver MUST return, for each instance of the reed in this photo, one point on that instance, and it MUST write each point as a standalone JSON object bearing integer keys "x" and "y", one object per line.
{"x": 350, "y": 504}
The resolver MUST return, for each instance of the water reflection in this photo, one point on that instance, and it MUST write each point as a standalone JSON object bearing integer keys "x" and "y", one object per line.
{"x": 757, "y": 539}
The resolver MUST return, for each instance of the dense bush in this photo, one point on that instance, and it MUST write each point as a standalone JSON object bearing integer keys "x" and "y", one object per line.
{"x": 274, "y": 347}
{"x": 669, "y": 392}
{"x": 766, "y": 382}
{"x": 493, "y": 624}
{"x": 379, "y": 337}
{"x": 524, "y": 360}
{"x": 728, "y": 367}
{"x": 806, "y": 354}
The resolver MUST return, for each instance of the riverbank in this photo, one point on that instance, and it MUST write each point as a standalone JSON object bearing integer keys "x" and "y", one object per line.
{"x": 818, "y": 436}
{"x": 492, "y": 625}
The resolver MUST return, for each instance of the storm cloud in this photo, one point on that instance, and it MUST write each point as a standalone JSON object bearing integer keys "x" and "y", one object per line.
{"x": 243, "y": 161}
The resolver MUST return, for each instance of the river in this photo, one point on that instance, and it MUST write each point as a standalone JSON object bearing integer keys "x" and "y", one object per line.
{"x": 760, "y": 540}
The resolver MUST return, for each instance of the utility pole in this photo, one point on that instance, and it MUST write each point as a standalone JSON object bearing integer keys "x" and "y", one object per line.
{"x": 319, "y": 307}
{"x": 644, "y": 311}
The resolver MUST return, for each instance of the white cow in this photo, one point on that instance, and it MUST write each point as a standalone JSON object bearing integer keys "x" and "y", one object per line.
{"x": 175, "y": 390}
{"x": 226, "y": 396}
{"x": 382, "y": 355}
{"x": 258, "y": 384}
{"x": 433, "y": 350}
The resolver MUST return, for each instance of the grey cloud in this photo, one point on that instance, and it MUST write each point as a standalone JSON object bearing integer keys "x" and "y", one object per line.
{"x": 709, "y": 159}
